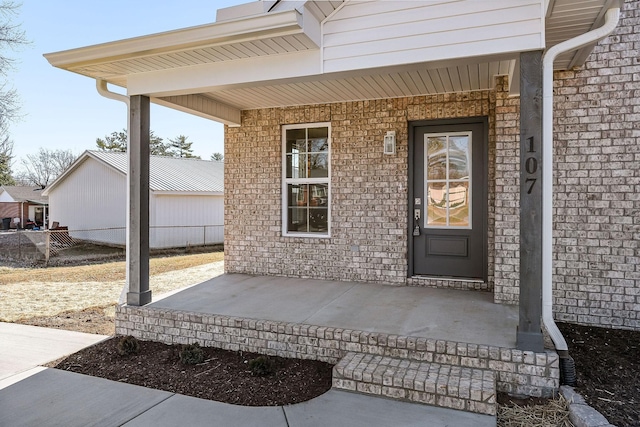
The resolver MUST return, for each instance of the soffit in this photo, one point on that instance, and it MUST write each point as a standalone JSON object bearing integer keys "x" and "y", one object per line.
{"x": 411, "y": 81}
{"x": 282, "y": 31}
{"x": 570, "y": 18}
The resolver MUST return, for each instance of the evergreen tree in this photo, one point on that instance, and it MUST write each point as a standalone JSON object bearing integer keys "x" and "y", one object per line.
{"x": 181, "y": 148}
{"x": 117, "y": 141}
{"x": 217, "y": 157}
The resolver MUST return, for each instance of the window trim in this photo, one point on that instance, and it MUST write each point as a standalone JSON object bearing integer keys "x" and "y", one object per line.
{"x": 286, "y": 181}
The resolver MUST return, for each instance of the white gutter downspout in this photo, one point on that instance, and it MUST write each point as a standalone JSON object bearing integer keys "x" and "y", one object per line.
{"x": 101, "y": 86}
{"x": 611, "y": 21}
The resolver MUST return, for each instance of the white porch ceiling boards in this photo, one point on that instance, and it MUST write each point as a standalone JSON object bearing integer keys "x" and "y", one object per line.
{"x": 252, "y": 59}
{"x": 390, "y": 84}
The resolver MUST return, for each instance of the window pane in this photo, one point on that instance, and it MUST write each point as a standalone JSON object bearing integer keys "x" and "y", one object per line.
{"x": 318, "y": 165}
{"x": 459, "y": 157}
{"x": 318, "y": 219}
{"x": 437, "y": 157}
{"x": 296, "y": 141}
{"x": 298, "y": 219}
{"x": 459, "y": 204}
{"x": 296, "y": 165}
{"x": 321, "y": 134}
{"x": 297, "y": 195}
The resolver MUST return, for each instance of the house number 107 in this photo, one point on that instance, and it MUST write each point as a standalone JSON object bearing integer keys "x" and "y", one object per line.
{"x": 530, "y": 165}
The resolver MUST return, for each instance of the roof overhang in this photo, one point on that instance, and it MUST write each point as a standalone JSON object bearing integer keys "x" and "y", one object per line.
{"x": 275, "y": 59}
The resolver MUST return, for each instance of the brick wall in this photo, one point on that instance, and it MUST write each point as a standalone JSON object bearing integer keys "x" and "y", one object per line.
{"x": 597, "y": 182}
{"x": 369, "y": 189}
{"x": 9, "y": 210}
{"x": 12, "y": 210}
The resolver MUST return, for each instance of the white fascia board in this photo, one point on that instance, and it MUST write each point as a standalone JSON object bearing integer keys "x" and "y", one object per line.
{"x": 218, "y": 75}
{"x": 251, "y": 28}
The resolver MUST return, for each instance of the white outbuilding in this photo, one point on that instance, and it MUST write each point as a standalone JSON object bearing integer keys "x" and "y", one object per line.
{"x": 186, "y": 200}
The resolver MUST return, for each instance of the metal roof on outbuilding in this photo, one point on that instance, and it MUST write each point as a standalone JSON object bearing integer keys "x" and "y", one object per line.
{"x": 167, "y": 174}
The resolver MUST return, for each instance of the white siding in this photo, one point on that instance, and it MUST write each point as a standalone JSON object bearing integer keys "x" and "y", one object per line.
{"x": 385, "y": 33}
{"x": 185, "y": 220}
{"x": 6, "y": 198}
{"x": 92, "y": 197}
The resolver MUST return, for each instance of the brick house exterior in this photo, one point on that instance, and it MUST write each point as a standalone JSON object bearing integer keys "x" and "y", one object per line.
{"x": 597, "y": 152}
{"x": 21, "y": 202}
{"x": 596, "y": 186}
{"x": 356, "y": 72}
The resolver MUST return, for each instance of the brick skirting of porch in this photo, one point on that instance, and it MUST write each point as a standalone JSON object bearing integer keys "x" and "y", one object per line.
{"x": 438, "y": 282}
{"x": 517, "y": 372}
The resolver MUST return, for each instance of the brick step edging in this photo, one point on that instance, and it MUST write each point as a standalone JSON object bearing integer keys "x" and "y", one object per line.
{"x": 454, "y": 387}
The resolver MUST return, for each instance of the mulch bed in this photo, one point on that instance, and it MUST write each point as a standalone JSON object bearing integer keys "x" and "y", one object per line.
{"x": 223, "y": 376}
{"x": 608, "y": 370}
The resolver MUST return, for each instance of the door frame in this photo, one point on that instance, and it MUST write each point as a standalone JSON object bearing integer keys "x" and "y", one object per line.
{"x": 484, "y": 121}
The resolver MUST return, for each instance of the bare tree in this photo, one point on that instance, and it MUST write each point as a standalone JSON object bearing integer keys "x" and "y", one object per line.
{"x": 42, "y": 168}
{"x": 11, "y": 37}
{"x": 6, "y": 158}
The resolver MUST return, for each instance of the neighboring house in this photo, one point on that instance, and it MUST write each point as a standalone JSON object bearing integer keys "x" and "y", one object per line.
{"x": 186, "y": 203}
{"x": 21, "y": 205}
{"x": 404, "y": 142}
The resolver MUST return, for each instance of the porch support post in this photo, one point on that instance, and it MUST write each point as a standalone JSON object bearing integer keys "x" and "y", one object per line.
{"x": 138, "y": 215}
{"x": 529, "y": 335}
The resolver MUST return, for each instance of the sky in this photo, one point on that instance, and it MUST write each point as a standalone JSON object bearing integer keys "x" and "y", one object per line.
{"x": 63, "y": 110}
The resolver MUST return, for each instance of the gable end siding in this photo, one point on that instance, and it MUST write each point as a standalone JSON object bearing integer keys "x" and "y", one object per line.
{"x": 385, "y": 33}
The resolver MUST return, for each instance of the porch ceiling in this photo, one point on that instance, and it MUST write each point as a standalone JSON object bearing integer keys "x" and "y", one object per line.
{"x": 374, "y": 84}
{"x": 286, "y": 37}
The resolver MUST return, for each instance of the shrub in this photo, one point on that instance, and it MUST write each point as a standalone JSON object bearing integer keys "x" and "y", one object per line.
{"x": 262, "y": 366}
{"x": 128, "y": 345}
{"x": 191, "y": 354}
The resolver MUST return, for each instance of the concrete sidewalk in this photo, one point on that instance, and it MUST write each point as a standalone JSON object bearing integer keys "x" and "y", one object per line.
{"x": 24, "y": 347}
{"x": 53, "y": 397}
{"x": 36, "y": 396}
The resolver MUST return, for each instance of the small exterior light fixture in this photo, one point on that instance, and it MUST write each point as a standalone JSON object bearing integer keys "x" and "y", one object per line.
{"x": 390, "y": 142}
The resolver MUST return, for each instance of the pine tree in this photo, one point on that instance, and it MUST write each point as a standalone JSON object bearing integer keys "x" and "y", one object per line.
{"x": 182, "y": 148}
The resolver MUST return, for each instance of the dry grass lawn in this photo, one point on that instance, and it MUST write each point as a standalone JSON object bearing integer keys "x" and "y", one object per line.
{"x": 27, "y": 293}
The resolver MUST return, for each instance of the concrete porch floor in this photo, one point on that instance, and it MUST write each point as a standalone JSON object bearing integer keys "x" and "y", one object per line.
{"x": 454, "y": 315}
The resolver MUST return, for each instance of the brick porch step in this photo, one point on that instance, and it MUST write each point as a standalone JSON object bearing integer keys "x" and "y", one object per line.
{"x": 437, "y": 384}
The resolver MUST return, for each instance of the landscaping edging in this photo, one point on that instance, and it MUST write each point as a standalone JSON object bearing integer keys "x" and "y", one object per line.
{"x": 580, "y": 413}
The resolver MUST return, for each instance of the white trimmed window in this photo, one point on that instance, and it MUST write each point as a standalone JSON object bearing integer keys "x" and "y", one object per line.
{"x": 306, "y": 155}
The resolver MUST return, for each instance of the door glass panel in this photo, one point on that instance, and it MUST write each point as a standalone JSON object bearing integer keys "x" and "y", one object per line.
{"x": 448, "y": 180}
{"x": 459, "y": 204}
{"x": 437, "y": 204}
{"x": 437, "y": 157}
{"x": 459, "y": 157}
